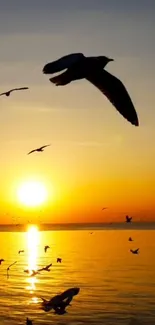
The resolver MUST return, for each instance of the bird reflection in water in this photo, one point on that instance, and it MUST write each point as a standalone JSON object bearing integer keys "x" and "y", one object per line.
{"x": 32, "y": 246}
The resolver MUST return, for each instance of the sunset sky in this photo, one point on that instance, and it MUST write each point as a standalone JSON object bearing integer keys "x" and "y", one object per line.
{"x": 96, "y": 157}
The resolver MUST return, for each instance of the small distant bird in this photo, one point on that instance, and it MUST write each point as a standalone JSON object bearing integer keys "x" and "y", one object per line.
{"x": 7, "y": 93}
{"x": 92, "y": 69}
{"x": 91, "y": 233}
{"x": 128, "y": 219}
{"x": 136, "y": 251}
{"x": 45, "y": 268}
{"x": 130, "y": 239}
{"x": 27, "y": 271}
{"x": 21, "y": 251}
{"x": 46, "y": 248}
{"x": 104, "y": 208}
{"x": 28, "y": 322}
{"x": 59, "y": 260}
{"x": 41, "y": 149}
{"x": 1, "y": 260}
{"x": 9, "y": 268}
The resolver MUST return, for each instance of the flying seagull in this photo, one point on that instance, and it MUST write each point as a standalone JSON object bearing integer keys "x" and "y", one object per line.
{"x": 92, "y": 69}
{"x": 60, "y": 302}
{"x": 128, "y": 219}
{"x": 41, "y": 149}
{"x": 7, "y": 93}
{"x": 1, "y": 260}
{"x": 20, "y": 251}
{"x": 45, "y": 268}
{"x": 136, "y": 251}
{"x": 59, "y": 260}
{"x": 46, "y": 247}
{"x": 9, "y": 268}
{"x": 104, "y": 208}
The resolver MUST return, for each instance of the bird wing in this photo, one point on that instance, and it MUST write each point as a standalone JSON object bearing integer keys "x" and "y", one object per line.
{"x": 47, "y": 145}
{"x": 116, "y": 92}
{"x": 136, "y": 250}
{"x": 31, "y": 151}
{"x": 22, "y": 88}
{"x": 63, "y": 63}
{"x": 48, "y": 266}
{"x": 3, "y": 94}
{"x": 12, "y": 264}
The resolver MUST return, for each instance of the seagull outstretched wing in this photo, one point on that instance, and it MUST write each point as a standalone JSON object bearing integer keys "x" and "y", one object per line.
{"x": 116, "y": 92}
{"x": 63, "y": 63}
{"x": 22, "y": 88}
{"x": 31, "y": 151}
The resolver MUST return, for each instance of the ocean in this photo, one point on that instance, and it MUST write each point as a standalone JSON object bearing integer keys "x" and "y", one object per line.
{"x": 116, "y": 287}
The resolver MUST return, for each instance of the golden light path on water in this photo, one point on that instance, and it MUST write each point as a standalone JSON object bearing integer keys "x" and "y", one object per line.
{"x": 33, "y": 239}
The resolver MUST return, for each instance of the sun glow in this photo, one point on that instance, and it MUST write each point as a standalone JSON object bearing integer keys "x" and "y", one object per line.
{"x": 32, "y": 243}
{"x": 32, "y": 193}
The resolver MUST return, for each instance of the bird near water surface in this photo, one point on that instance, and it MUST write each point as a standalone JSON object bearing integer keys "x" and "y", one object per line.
{"x": 7, "y": 93}
{"x": 136, "y": 251}
{"x": 92, "y": 69}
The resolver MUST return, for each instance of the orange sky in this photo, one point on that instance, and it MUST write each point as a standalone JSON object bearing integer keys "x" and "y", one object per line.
{"x": 96, "y": 157}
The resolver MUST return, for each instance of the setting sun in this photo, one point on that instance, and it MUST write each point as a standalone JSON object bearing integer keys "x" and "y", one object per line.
{"x": 32, "y": 193}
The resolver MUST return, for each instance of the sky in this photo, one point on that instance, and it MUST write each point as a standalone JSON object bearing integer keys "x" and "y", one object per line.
{"x": 96, "y": 157}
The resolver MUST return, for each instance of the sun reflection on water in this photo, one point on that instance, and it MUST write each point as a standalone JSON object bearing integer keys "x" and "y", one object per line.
{"x": 32, "y": 244}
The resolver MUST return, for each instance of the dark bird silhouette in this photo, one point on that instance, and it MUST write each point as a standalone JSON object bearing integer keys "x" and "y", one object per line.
{"x": 130, "y": 239}
{"x": 92, "y": 69}
{"x": 46, "y": 248}
{"x": 136, "y": 251}
{"x": 1, "y": 260}
{"x": 7, "y": 93}
{"x": 128, "y": 219}
{"x": 27, "y": 271}
{"x": 28, "y": 321}
{"x": 41, "y": 149}
{"x": 59, "y": 260}
{"x": 9, "y": 268}
{"x": 21, "y": 251}
{"x": 45, "y": 268}
{"x": 60, "y": 302}
{"x": 104, "y": 208}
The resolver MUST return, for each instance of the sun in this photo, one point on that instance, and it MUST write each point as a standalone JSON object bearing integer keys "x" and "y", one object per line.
{"x": 32, "y": 193}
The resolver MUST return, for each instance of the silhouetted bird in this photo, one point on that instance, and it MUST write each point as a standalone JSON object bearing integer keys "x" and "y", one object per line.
{"x": 9, "y": 268}
{"x": 130, "y": 239}
{"x": 28, "y": 322}
{"x": 46, "y": 247}
{"x": 45, "y": 268}
{"x": 21, "y": 251}
{"x": 1, "y": 260}
{"x": 41, "y": 149}
{"x": 128, "y": 219}
{"x": 92, "y": 69}
{"x": 60, "y": 302}
{"x": 59, "y": 260}
{"x": 7, "y": 93}
{"x": 136, "y": 251}
{"x": 27, "y": 271}
{"x": 104, "y": 208}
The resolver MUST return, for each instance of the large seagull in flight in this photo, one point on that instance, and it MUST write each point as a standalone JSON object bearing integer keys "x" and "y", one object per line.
{"x": 92, "y": 69}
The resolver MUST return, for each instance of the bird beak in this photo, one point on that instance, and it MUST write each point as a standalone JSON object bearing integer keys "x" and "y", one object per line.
{"x": 111, "y": 60}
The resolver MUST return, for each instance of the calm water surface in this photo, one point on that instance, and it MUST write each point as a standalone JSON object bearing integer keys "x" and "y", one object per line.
{"x": 116, "y": 286}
